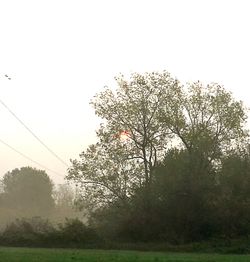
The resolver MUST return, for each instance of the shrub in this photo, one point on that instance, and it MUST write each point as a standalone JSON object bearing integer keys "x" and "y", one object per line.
{"x": 40, "y": 232}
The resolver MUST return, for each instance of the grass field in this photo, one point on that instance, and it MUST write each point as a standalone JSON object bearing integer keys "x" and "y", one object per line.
{"x": 66, "y": 255}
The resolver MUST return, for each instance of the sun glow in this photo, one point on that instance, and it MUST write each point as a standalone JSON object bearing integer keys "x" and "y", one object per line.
{"x": 124, "y": 135}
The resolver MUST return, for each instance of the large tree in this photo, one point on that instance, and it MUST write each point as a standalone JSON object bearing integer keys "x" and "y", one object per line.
{"x": 134, "y": 108}
{"x": 143, "y": 117}
{"x": 132, "y": 139}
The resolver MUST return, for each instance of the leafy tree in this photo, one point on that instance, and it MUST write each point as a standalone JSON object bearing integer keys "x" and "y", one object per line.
{"x": 134, "y": 108}
{"x": 114, "y": 168}
{"x": 207, "y": 121}
{"x": 153, "y": 110}
{"x": 28, "y": 191}
{"x": 147, "y": 118}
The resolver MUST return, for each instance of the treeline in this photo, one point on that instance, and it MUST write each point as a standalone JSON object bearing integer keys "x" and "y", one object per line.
{"x": 171, "y": 164}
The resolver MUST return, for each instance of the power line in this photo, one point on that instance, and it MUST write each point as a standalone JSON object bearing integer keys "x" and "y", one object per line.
{"x": 30, "y": 159}
{"x": 33, "y": 134}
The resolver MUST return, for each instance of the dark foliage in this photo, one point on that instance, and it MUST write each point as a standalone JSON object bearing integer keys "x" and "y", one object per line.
{"x": 39, "y": 232}
{"x": 198, "y": 192}
{"x": 185, "y": 205}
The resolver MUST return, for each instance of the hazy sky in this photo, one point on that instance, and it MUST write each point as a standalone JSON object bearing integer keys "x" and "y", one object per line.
{"x": 60, "y": 53}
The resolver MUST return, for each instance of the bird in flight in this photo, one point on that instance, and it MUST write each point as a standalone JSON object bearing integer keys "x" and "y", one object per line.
{"x": 8, "y": 77}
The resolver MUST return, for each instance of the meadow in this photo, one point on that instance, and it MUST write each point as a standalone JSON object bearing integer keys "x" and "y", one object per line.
{"x": 66, "y": 255}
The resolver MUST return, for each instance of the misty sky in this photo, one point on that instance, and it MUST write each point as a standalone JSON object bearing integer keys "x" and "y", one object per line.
{"x": 60, "y": 53}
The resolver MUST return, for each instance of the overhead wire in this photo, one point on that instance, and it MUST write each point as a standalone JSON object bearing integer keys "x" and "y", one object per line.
{"x": 30, "y": 159}
{"x": 33, "y": 134}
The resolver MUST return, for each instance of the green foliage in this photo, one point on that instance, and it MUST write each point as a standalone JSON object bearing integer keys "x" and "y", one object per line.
{"x": 40, "y": 232}
{"x": 26, "y": 232}
{"x": 114, "y": 169}
{"x": 205, "y": 118}
{"x": 234, "y": 201}
{"x": 185, "y": 201}
{"x": 74, "y": 233}
{"x": 104, "y": 175}
{"x": 178, "y": 177}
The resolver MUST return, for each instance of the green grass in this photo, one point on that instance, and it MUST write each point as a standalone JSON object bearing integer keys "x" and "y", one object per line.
{"x": 66, "y": 255}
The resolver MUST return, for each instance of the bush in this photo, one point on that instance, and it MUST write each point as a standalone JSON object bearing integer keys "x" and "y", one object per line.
{"x": 39, "y": 232}
{"x": 75, "y": 233}
{"x": 25, "y": 232}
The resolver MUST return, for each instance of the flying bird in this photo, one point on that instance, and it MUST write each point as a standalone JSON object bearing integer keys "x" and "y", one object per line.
{"x": 8, "y": 77}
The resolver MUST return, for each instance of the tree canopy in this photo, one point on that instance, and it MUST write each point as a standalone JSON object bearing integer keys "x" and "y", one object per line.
{"x": 156, "y": 113}
{"x": 161, "y": 143}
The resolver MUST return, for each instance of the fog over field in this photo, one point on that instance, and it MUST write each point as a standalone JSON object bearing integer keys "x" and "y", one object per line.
{"x": 59, "y": 54}
{"x": 124, "y": 124}
{"x": 28, "y": 193}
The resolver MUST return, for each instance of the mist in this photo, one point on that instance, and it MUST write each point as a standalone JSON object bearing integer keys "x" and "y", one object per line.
{"x": 29, "y": 193}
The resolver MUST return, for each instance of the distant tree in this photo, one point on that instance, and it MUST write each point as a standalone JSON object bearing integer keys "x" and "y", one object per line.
{"x": 65, "y": 197}
{"x": 1, "y": 187}
{"x": 28, "y": 191}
